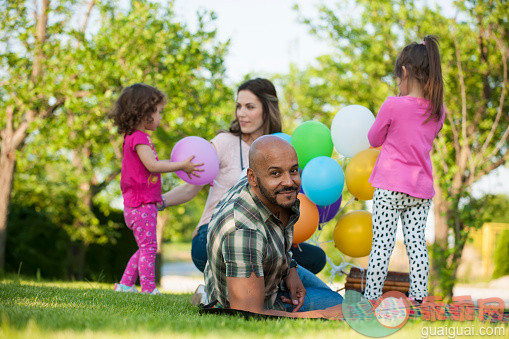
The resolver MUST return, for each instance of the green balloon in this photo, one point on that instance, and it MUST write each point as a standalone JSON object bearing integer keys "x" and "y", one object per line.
{"x": 311, "y": 139}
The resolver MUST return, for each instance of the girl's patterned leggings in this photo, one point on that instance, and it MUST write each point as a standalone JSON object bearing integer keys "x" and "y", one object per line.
{"x": 388, "y": 206}
{"x": 142, "y": 220}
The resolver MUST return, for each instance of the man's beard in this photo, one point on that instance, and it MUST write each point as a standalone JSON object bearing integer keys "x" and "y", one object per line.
{"x": 271, "y": 197}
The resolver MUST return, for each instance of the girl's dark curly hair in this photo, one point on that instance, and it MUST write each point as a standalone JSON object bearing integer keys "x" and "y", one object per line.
{"x": 135, "y": 104}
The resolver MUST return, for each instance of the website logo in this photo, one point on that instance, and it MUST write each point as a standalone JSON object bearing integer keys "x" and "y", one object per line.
{"x": 391, "y": 312}
{"x": 379, "y": 319}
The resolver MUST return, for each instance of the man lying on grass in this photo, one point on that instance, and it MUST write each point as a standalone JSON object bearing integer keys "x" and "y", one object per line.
{"x": 249, "y": 266}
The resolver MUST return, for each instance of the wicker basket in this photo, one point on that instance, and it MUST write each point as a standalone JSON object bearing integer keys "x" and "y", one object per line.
{"x": 395, "y": 281}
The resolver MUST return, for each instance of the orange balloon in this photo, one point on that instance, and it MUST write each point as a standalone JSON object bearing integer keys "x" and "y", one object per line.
{"x": 353, "y": 234}
{"x": 358, "y": 172}
{"x": 308, "y": 220}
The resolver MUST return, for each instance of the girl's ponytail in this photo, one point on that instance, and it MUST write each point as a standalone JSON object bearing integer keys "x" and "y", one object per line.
{"x": 434, "y": 87}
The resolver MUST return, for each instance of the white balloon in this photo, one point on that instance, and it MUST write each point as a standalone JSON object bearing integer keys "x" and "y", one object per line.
{"x": 349, "y": 129}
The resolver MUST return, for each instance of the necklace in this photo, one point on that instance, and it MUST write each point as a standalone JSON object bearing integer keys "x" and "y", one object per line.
{"x": 240, "y": 147}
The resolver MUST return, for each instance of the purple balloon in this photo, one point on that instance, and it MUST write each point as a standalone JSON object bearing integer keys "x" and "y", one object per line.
{"x": 203, "y": 152}
{"x": 326, "y": 213}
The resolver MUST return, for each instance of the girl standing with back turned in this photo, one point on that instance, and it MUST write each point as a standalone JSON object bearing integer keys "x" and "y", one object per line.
{"x": 405, "y": 127}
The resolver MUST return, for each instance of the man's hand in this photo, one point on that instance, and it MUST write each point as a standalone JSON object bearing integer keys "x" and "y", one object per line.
{"x": 296, "y": 288}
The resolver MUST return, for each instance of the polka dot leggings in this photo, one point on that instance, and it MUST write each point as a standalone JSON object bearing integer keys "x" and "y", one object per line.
{"x": 142, "y": 220}
{"x": 388, "y": 206}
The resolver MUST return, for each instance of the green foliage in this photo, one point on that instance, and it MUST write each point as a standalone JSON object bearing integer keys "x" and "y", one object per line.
{"x": 446, "y": 270}
{"x": 35, "y": 243}
{"x": 70, "y": 158}
{"x": 501, "y": 255}
{"x": 183, "y": 219}
{"x": 488, "y": 208}
{"x": 107, "y": 262}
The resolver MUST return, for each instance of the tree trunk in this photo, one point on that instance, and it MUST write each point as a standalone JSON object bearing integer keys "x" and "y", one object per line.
{"x": 40, "y": 34}
{"x": 440, "y": 209}
{"x": 76, "y": 260}
{"x": 78, "y": 249}
{"x": 7, "y": 162}
{"x": 13, "y": 137}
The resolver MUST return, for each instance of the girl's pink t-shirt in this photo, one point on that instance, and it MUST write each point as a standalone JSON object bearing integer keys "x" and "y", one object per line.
{"x": 138, "y": 185}
{"x": 404, "y": 163}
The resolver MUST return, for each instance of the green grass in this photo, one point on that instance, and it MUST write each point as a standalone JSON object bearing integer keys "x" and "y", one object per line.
{"x": 31, "y": 309}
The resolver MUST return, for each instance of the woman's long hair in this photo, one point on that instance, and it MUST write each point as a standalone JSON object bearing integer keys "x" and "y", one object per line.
{"x": 266, "y": 93}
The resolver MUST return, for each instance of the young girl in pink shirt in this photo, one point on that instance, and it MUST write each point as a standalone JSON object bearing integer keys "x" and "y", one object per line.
{"x": 405, "y": 127}
{"x": 138, "y": 110}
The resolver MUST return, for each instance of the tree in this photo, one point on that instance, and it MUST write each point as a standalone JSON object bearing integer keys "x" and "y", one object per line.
{"x": 65, "y": 136}
{"x": 474, "y": 55}
{"x": 474, "y": 141}
{"x": 30, "y": 59}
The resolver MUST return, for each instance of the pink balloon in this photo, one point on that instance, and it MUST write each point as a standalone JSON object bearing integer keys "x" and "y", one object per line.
{"x": 203, "y": 152}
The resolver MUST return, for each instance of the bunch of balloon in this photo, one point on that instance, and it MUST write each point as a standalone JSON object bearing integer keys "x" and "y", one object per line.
{"x": 322, "y": 177}
{"x": 349, "y": 132}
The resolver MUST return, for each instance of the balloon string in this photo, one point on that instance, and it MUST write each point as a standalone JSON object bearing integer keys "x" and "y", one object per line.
{"x": 314, "y": 239}
{"x": 339, "y": 269}
{"x": 327, "y": 209}
{"x": 342, "y": 159}
{"x": 348, "y": 203}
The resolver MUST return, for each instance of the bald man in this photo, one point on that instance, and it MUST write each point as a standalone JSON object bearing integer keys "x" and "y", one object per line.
{"x": 250, "y": 234}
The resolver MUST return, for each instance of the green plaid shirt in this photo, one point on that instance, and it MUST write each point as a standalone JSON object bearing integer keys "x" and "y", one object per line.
{"x": 244, "y": 236}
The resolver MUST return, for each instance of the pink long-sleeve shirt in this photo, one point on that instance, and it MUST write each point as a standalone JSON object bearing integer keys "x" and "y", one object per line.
{"x": 404, "y": 163}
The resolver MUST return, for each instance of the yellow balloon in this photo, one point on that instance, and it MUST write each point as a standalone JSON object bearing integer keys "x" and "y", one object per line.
{"x": 358, "y": 172}
{"x": 353, "y": 234}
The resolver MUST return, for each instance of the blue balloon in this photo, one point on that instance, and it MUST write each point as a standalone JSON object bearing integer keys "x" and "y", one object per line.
{"x": 323, "y": 180}
{"x": 283, "y": 136}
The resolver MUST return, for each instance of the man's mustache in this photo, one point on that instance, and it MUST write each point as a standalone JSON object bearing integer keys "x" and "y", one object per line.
{"x": 287, "y": 189}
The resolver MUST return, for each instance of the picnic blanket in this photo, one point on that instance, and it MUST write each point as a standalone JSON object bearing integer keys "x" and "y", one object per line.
{"x": 363, "y": 310}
